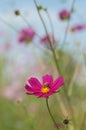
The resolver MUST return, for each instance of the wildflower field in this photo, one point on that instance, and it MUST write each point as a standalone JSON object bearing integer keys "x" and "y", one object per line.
{"x": 42, "y": 65}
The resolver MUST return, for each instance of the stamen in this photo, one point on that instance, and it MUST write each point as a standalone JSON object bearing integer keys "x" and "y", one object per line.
{"x": 45, "y": 88}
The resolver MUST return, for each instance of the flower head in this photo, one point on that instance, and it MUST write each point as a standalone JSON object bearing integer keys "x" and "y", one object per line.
{"x": 26, "y": 35}
{"x": 64, "y": 14}
{"x": 44, "y": 89}
{"x": 45, "y": 40}
{"x": 77, "y": 28}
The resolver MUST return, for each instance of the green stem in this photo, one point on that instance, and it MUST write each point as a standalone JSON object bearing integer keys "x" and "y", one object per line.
{"x": 28, "y": 24}
{"x": 10, "y": 25}
{"x": 51, "y": 24}
{"x": 66, "y": 127}
{"x": 51, "y": 114}
{"x": 42, "y": 20}
{"x": 68, "y": 24}
{"x": 55, "y": 59}
{"x": 52, "y": 49}
{"x": 83, "y": 121}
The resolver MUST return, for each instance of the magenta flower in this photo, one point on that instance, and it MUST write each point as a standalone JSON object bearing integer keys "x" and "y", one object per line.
{"x": 79, "y": 27}
{"x": 64, "y": 14}
{"x": 26, "y": 35}
{"x": 45, "y": 40}
{"x": 44, "y": 89}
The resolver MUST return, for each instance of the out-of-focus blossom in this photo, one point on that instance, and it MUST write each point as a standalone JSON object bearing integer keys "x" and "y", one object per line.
{"x": 47, "y": 40}
{"x": 78, "y": 27}
{"x": 47, "y": 88}
{"x": 64, "y": 14}
{"x": 13, "y": 92}
{"x": 26, "y": 35}
{"x": 4, "y": 48}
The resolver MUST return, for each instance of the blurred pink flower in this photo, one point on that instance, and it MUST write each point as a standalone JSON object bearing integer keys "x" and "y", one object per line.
{"x": 6, "y": 47}
{"x": 26, "y": 35}
{"x": 79, "y": 27}
{"x": 13, "y": 92}
{"x": 64, "y": 14}
{"x": 45, "y": 40}
{"x": 47, "y": 88}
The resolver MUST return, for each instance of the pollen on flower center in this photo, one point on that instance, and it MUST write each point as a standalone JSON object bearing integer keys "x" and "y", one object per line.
{"x": 45, "y": 88}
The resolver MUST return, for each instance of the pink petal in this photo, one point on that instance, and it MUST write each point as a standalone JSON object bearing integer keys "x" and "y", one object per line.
{"x": 48, "y": 78}
{"x": 57, "y": 83}
{"x": 35, "y": 83}
{"x": 28, "y": 88}
{"x": 45, "y": 95}
{"x": 38, "y": 94}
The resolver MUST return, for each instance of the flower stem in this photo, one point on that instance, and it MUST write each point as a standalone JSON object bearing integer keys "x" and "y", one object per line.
{"x": 8, "y": 24}
{"x": 51, "y": 24}
{"x": 44, "y": 25}
{"x": 28, "y": 24}
{"x": 51, "y": 114}
{"x": 67, "y": 27}
{"x": 56, "y": 62}
{"x": 66, "y": 127}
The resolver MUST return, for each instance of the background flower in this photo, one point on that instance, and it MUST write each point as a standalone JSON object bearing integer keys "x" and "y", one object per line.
{"x": 45, "y": 40}
{"x": 64, "y": 14}
{"x": 78, "y": 28}
{"x": 26, "y": 35}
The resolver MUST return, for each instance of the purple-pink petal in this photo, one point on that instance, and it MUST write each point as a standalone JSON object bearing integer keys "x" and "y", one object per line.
{"x": 38, "y": 94}
{"x": 48, "y": 79}
{"x": 34, "y": 82}
{"x": 57, "y": 83}
{"x": 34, "y": 86}
{"x": 28, "y": 88}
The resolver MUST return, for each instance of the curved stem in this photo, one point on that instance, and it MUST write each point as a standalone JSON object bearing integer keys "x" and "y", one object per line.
{"x": 51, "y": 114}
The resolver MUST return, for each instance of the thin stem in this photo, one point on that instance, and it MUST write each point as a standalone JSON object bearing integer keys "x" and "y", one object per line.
{"x": 40, "y": 17}
{"x": 51, "y": 114}
{"x": 55, "y": 58}
{"x": 10, "y": 25}
{"x": 51, "y": 24}
{"x": 28, "y": 24}
{"x": 68, "y": 24}
{"x": 42, "y": 20}
{"x": 25, "y": 20}
{"x": 66, "y": 127}
{"x": 83, "y": 121}
{"x": 52, "y": 48}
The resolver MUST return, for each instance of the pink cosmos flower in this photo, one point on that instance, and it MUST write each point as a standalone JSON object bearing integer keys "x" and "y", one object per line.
{"x": 64, "y": 14}
{"x": 45, "y": 40}
{"x": 44, "y": 89}
{"x": 79, "y": 27}
{"x": 26, "y": 35}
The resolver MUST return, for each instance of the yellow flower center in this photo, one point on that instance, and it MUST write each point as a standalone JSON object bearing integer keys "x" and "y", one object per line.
{"x": 66, "y": 17}
{"x": 45, "y": 88}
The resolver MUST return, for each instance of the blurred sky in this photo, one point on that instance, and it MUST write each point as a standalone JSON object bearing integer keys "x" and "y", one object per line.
{"x": 27, "y": 8}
